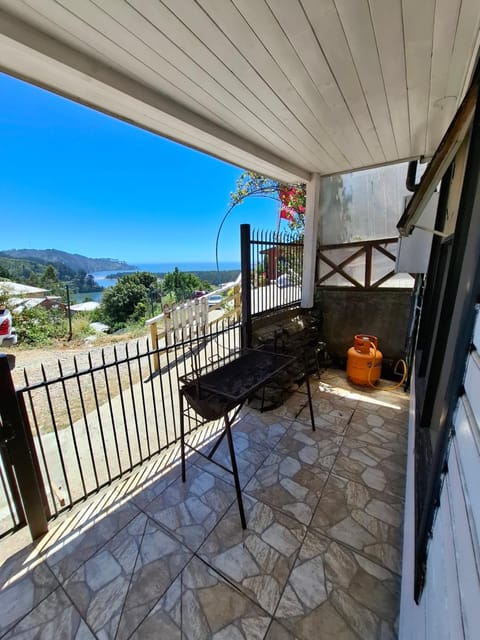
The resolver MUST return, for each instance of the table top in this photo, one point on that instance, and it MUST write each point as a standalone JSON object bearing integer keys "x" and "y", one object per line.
{"x": 235, "y": 379}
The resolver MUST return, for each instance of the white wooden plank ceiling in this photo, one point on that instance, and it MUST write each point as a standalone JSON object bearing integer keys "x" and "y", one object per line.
{"x": 284, "y": 87}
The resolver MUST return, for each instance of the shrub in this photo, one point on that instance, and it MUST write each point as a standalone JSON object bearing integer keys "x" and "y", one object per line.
{"x": 81, "y": 325}
{"x": 39, "y": 326}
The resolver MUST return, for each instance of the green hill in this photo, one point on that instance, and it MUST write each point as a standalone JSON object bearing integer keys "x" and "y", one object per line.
{"x": 73, "y": 261}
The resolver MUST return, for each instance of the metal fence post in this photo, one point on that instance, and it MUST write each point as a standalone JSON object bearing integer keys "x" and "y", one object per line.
{"x": 246, "y": 286}
{"x": 14, "y": 435}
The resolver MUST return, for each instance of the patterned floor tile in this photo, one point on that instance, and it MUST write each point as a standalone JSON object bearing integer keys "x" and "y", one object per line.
{"x": 277, "y": 632}
{"x": 191, "y": 509}
{"x": 249, "y": 459}
{"x": 343, "y": 392}
{"x": 362, "y": 518}
{"x": 263, "y": 429}
{"x": 333, "y": 592}
{"x": 292, "y": 407}
{"x": 381, "y": 416}
{"x": 55, "y": 617}
{"x": 317, "y": 448}
{"x": 388, "y": 405}
{"x": 372, "y": 429}
{"x": 155, "y": 487}
{"x": 335, "y": 399}
{"x": 99, "y": 587}
{"x": 200, "y": 605}
{"x": 165, "y": 619}
{"x": 236, "y": 619}
{"x": 288, "y": 484}
{"x": 376, "y": 466}
{"x": 337, "y": 390}
{"x": 80, "y": 543}
{"x": 259, "y": 559}
{"x": 330, "y": 411}
{"x": 394, "y": 406}
{"x": 24, "y": 582}
{"x": 160, "y": 560}
{"x": 133, "y": 573}
{"x": 253, "y": 437}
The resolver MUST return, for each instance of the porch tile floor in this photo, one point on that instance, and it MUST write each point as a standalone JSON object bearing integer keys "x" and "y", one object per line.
{"x": 153, "y": 557}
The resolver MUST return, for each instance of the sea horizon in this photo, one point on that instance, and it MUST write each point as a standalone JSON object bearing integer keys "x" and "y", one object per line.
{"x": 167, "y": 267}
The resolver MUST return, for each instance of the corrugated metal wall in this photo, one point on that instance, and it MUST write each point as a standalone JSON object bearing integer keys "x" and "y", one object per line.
{"x": 362, "y": 205}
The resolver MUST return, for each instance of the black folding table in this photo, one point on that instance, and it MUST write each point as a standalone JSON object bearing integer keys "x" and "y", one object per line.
{"x": 224, "y": 386}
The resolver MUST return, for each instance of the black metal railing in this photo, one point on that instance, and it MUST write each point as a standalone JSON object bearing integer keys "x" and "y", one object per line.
{"x": 275, "y": 269}
{"x": 12, "y": 515}
{"x": 105, "y": 413}
{"x": 91, "y": 421}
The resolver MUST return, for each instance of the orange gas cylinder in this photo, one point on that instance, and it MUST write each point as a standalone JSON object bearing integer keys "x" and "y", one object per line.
{"x": 364, "y": 360}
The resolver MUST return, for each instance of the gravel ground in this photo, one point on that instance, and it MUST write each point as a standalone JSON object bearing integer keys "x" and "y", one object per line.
{"x": 31, "y": 360}
{"x": 38, "y": 365}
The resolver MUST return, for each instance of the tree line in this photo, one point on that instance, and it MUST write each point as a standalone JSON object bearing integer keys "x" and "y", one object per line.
{"x": 140, "y": 295}
{"x": 54, "y": 277}
{"x": 136, "y": 297}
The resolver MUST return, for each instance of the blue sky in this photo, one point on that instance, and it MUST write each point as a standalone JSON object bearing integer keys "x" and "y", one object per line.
{"x": 77, "y": 180}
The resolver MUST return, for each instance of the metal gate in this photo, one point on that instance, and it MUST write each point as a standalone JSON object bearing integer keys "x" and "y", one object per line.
{"x": 68, "y": 431}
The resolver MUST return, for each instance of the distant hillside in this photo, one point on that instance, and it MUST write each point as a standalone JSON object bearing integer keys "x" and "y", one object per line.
{"x": 212, "y": 277}
{"x": 73, "y": 261}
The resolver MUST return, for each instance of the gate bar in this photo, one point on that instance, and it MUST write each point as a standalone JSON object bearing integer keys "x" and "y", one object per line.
{"x": 246, "y": 286}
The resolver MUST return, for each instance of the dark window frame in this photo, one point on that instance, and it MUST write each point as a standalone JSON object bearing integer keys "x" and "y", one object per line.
{"x": 443, "y": 343}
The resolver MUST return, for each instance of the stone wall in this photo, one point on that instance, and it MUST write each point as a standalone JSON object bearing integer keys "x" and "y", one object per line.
{"x": 338, "y": 315}
{"x": 294, "y": 332}
{"x": 383, "y": 313}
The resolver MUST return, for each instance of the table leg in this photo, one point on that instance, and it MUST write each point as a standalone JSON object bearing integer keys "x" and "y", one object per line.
{"x": 310, "y": 405}
{"x": 216, "y": 445}
{"x": 235, "y": 472}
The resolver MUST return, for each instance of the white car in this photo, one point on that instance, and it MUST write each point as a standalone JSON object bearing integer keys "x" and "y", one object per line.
{"x": 214, "y": 299}
{"x": 8, "y": 335}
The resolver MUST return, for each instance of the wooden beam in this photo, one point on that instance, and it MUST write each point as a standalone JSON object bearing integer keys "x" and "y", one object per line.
{"x": 440, "y": 162}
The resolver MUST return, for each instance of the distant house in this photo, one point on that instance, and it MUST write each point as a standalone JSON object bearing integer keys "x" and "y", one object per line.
{"x": 47, "y": 302}
{"x": 18, "y": 290}
{"x": 84, "y": 306}
{"x": 22, "y": 296}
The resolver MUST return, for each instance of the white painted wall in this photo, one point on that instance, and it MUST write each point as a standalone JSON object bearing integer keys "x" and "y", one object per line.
{"x": 449, "y": 608}
{"x": 310, "y": 240}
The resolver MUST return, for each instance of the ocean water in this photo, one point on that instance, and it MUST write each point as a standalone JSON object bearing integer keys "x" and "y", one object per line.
{"x": 163, "y": 267}
{"x": 76, "y": 298}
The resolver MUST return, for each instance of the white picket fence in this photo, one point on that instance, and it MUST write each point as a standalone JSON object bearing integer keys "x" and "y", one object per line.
{"x": 191, "y": 319}
{"x": 184, "y": 321}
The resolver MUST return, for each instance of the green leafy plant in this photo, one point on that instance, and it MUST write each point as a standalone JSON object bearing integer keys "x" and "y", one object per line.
{"x": 81, "y": 325}
{"x": 39, "y": 326}
{"x": 130, "y": 301}
{"x": 291, "y": 197}
{"x": 181, "y": 284}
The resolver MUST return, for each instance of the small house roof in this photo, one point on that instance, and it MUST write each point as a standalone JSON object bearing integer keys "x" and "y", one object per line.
{"x": 18, "y": 289}
{"x": 84, "y": 306}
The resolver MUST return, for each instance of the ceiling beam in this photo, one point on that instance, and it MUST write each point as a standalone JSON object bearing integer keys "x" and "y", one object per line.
{"x": 31, "y": 54}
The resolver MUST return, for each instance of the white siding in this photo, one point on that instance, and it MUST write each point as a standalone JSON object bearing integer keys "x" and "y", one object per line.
{"x": 465, "y": 542}
{"x": 449, "y": 608}
{"x": 476, "y": 335}
{"x": 441, "y": 591}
